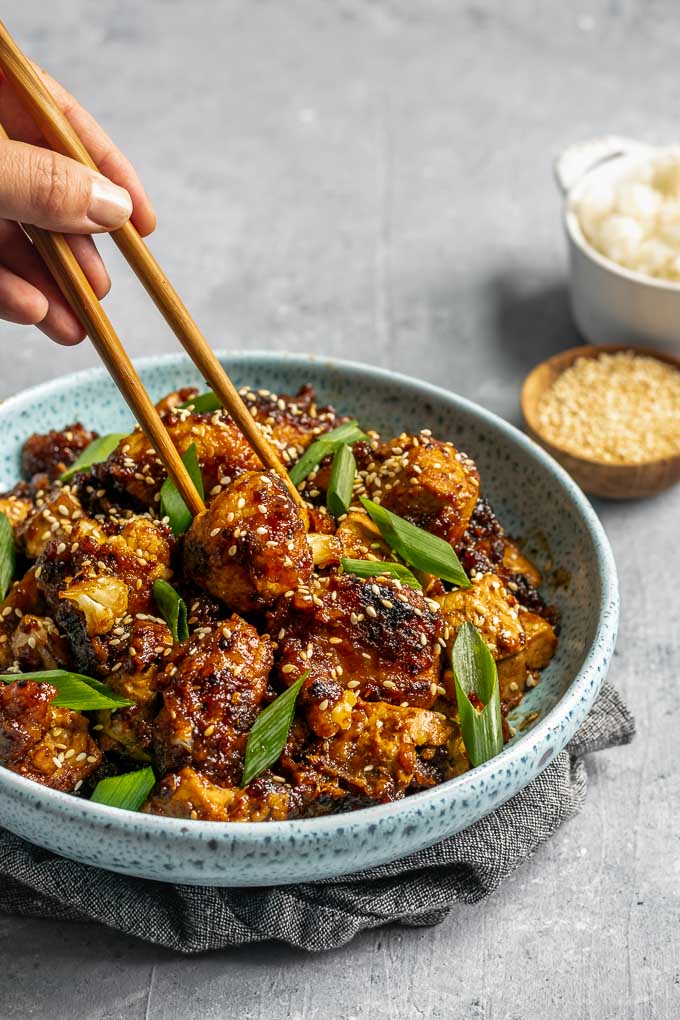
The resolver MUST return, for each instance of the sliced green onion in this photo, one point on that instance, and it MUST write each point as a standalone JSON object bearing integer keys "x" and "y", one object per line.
{"x": 419, "y": 548}
{"x": 172, "y": 608}
{"x": 172, "y": 505}
{"x": 327, "y": 443}
{"x": 81, "y": 693}
{"x": 373, "y": 568}
{"x": 7, "y": 555}
{"x": 474, "y": 672}
{"x": 98, "y": 450}
{"x": 128, "y": 791}
{"x": 341, "y": 482}
{"x": 202, "y": 403}
{"x": 269, "y": 734}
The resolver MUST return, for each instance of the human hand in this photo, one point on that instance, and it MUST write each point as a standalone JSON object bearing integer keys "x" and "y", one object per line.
{"x": 46, "y": 189}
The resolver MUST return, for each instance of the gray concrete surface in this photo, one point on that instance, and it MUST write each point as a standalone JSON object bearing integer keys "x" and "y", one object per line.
{"x": 373, "y": 179}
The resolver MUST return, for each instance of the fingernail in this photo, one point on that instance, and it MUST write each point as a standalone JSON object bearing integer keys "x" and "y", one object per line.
{"x": 110, "y": 206}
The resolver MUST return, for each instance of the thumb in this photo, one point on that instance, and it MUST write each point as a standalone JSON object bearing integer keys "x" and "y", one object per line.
{"x": 46, "y": 189}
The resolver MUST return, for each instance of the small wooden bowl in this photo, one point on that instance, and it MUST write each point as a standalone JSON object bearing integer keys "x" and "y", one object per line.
{"x": 613, "y": 481}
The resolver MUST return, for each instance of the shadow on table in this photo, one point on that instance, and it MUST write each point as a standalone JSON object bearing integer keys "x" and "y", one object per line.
{"x": 532, "y": 322}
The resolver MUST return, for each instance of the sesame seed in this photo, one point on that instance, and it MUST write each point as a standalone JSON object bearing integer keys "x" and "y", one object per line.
{"x": 370, "y": 611}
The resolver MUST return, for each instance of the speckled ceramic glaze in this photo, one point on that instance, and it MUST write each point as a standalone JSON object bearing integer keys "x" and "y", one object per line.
{"x": 536, "y": 501}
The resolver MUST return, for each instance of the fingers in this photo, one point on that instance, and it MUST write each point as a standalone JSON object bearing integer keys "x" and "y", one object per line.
{"x": 90, "y": 260}
{"x": 49, "y": 309}
{"x": 107, "y": 156}
{"x": 19, "y": 301}
{"x": 46, "y": 189}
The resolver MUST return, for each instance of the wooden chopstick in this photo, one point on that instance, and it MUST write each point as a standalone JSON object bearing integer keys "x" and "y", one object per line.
{"x": 76, "y": 288}
{"x": 61, "y": 136}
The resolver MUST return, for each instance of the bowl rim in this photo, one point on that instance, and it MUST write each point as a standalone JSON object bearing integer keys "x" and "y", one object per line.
{"x": 69, "y": 807}
{"x": 574, "y": 232}
{"x": 570, "y": 355}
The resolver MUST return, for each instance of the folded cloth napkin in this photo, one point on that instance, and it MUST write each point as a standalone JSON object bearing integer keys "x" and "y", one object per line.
{"x": 418, "y": 890}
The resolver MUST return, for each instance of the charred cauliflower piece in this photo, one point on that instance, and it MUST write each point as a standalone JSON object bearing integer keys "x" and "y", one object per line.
{"x": 16, "y": 507}
{"x": 190, "y": 794}
{"x": 291, "y": 423}
{"x": 428, "y": 482}
{"x": 96, "y": 582}
{"x": 24, "y": 599}
{"x": 492, "y": 609}
{"x": 49, "y": 745}
{"x": 376, "y": 757}
{"x": 214, "y": 686}
{"x": 519, "y": 640}
{"x": 485, "y": 548}
{"x": 250, "y": 545}
{"x": 137, "y": 652}
{"x": 53, "y": 516}
{"x": 375, "y": 639}
{"x": 223, "y": 453}
{"x": 51, "y": 453}
{"x": 37, "y": 644}
{"x": 171, "y": 401}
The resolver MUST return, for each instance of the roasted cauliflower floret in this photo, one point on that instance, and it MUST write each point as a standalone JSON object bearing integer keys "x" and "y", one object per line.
{"x": 51, "y": 453}
{"x": 37, "y": 644}
{"x": 485, "y": 548}
{"x": 171, "y": 401}
{"x": 491, "y": 608}
{"x": 190, "y": 794}
{"x": 250, "y": 545}
{"x": 15, "y": 507}
{"x": 214, "y": 686}
{"x": 96, "y": 583}
{"x": 377, "y": 755}
{"x": 136, "y": 655}
{"x": 428, "y": 482}
{"x": 24, "y": 597}
{"x": 49, "y": 745}
{"x": 291, "y": 422}
{"x": 53, "y": 517}
{"x": 377, "y": 639}
{"x": 223, "y": 453}
{"x": 541, "y": 639}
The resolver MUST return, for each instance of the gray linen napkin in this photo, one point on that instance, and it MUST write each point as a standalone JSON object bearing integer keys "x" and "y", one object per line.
{"x": 418, "y": 890}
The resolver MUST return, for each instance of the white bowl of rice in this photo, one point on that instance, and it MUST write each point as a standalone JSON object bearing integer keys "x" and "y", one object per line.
{"x": 622, "y": 221}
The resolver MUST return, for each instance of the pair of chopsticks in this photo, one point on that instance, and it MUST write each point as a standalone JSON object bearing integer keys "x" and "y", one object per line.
{"x": 75, "y": 287}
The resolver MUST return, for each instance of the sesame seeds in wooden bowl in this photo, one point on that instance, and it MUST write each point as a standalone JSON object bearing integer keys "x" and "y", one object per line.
{"x": 610, "y": 415}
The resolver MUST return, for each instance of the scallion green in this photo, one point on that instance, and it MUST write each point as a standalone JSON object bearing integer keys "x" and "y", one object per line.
{"x": 172, "y": 608}
{"x": 128, "y": 791}
{"x": 373, "y": 568}
{"x": 172, "y": 505}
{"x": 419, "y": 548}
{"x": 202, "y": 403}
{"x": 269, "y": 734}
{"x": 97, "y": 451}
{"x": 81, "y": 693}
{"x": 475, "y": 673}
{"x": 341, "y": 482}
{"x": 7, "y": 555}
{"x": 326, "y": 444}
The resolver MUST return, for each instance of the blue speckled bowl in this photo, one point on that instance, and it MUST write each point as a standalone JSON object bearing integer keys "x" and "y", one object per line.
{"x": 535, "y": 499}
